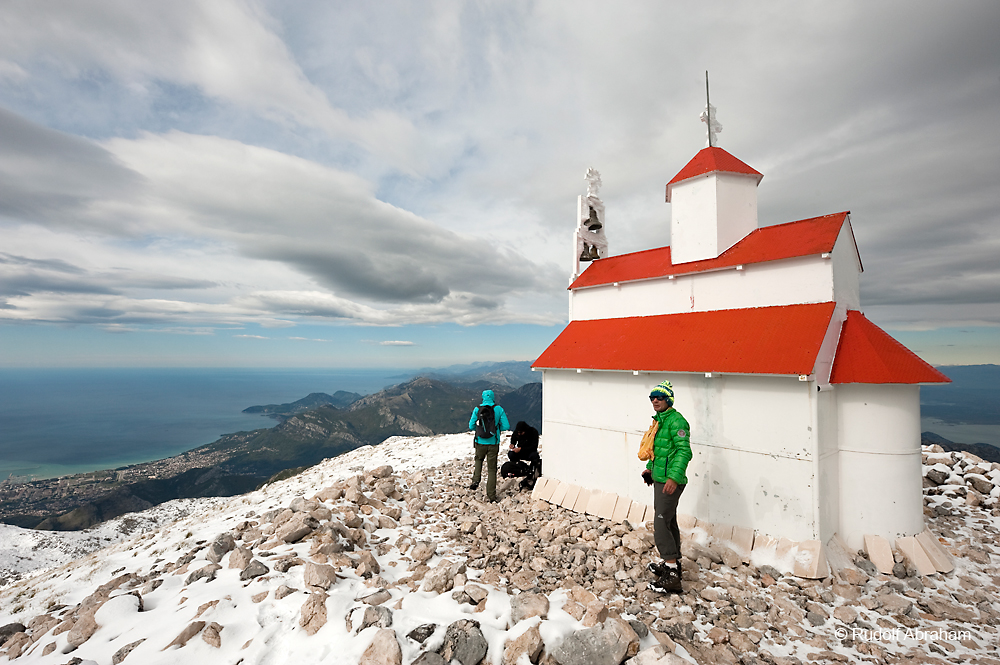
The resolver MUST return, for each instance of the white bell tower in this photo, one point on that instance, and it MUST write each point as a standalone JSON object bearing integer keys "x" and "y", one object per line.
{"x": 589, "y": 241}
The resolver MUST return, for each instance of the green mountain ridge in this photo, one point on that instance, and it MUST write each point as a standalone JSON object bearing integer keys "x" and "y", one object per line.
{"x": 243, "y": 461}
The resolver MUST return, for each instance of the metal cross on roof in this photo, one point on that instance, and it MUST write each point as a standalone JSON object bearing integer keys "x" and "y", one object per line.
{"x": 708, "y": 117}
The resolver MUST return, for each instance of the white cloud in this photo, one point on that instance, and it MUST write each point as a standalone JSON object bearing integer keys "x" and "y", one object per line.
{"x": 396, "y": 343}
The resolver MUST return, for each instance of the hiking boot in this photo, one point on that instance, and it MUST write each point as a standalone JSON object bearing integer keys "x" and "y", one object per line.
{"x": 474, "y": 486}
{"x": 668, "y": 583}
{"x": 660, "y": 568}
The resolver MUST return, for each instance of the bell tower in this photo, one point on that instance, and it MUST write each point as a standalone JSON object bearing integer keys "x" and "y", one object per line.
{"x": 713, "y": 201}
{"x": 589, "y": 241}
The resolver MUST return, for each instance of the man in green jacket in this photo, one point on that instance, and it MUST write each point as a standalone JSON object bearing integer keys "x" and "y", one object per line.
{"x": 665, "y": 472}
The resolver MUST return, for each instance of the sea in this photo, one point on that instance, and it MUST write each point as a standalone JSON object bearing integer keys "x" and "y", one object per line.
{"x": 56, "y": 422}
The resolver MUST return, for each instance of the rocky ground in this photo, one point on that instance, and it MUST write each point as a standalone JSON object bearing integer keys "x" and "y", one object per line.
{"x": 395, "y": 565}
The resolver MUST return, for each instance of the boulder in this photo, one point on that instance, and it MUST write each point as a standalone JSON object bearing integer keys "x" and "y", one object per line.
{"x": 423, "y": 550}
{"x": 254, "y": 569}
{"x": 464, "y": 642}
{"x": 528, "y": 643}
{"x": 526, "y": 605}
{"x": 312, "y": 616}
{"x": 211, "y": 635}
{"x": 598, "y": 645}
{"x": 207, "y": 572}
{"x": 319, "y": 575}
{"x": 223, "y": 544}
{"x": 384, "y": 649}
{"x": 240, "y": 558}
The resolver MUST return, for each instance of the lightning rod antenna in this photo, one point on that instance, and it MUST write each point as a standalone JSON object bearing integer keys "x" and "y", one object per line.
{"x": 708, "y": 110}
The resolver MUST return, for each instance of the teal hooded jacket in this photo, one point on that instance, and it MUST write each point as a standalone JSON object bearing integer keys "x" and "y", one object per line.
{"x": 489, "y": 399}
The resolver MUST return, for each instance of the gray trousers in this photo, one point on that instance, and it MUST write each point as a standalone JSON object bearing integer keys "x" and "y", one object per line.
{"x": 666, "y": 532}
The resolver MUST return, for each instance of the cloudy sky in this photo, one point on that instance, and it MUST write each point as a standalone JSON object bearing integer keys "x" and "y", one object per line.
{"x": 240, "y": 183}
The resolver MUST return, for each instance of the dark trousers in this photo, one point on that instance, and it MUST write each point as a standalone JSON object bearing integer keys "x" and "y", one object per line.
{"x": 666, "y": 532}
{"x": 489, "y": 453}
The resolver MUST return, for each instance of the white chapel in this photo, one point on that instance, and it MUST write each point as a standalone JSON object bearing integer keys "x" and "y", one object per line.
{"x": 805, "y": 415}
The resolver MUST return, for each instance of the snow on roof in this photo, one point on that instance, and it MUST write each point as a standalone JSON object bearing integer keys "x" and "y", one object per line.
{"x": 781, "y": 340}
{"x": 805, "y": 237}
{"x": 712, "y": 160}
{"x": 867, "y": 354}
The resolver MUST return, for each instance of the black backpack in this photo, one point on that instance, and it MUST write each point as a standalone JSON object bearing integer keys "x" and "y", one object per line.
{"x": 486, "y": 422}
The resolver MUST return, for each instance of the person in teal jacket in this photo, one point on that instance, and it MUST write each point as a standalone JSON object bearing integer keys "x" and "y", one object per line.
{"x": 487, "y": 447}
{"x": 665, "y": 472}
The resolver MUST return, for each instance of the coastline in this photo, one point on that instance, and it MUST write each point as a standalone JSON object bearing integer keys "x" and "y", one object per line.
{"x": 962, "y": 432}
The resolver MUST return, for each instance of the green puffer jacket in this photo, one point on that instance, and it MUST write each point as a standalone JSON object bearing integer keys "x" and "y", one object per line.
{"x": 671, "y": 449}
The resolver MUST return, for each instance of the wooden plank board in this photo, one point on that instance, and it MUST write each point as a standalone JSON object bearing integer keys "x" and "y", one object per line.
{"x": 607, "y": 507}
{"x": 937, "y": 554}
{"x": 810, "y": 560}
{"x": 635, "y": 513}
{"x": 560, "y": 493}
{"x": 572, "y": 494}
{"x": 742, "y": 542}
{"x": 536, "y": 491}
{"x": 581, "y": 501}
{"x": 595, "y": 503}
{"x": 686, "y": 522}
{"x": 879, "y": 553}
{"x": 622, "y": 507}
{"x": 915, "y": 554}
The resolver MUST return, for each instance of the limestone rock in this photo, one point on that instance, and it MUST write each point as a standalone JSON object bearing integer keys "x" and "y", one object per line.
{"x": 464, "y": 642}
{"x": 313, "y": 613}
{"x": 591, "y": 646}
{"x": 297, "y": 528}
{"x": 526, "y": 605}
{"x": 123, "y": 653}
{"x": 190, "y": 631}
{"x": 422, "y": 632}
{"x": 319, "y": 575}
{"x": 596, "y": 613}
{"x": 527, "y": 643}
{"x": 423, "y": 550}
{"x": 223, "y": 544}
{"x": 82, "y": 630}
{"x": 207, "y": 572}
{"x": 384, "y": 650}
{"x": 240, "y": 558}
{"x": 211, "y": 635}
{"x": 254, "y": 569}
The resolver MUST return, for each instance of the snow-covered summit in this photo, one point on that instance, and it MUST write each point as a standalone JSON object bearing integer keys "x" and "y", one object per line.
{"x": 384, "y": 555}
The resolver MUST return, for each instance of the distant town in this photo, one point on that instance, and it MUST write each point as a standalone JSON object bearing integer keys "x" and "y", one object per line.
{"x": 22, "y": 499}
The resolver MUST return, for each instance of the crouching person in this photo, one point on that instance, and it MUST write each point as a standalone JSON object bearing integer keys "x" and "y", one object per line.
{"x": 665, "y": 472}
{"x": 522, "y": 456}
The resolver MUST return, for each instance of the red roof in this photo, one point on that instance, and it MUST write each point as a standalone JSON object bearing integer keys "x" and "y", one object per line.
{"x": 783, "y": 241}
{"x": 764, "y": 340}
{"x": 867, "y": 354}
{"x": 712, "y": 160}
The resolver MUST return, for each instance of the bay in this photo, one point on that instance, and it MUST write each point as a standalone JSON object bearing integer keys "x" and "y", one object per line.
{"x": 55, "y": 422}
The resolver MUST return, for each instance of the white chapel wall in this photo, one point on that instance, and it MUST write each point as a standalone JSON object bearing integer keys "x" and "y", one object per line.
{"x": 879, "y": 452}
{"x": 789, "y": 282}
{"x": 846, "y": 270}
{"x": 753, "y": 439}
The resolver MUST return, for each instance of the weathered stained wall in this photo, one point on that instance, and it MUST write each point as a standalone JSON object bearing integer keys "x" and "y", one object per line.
{"x": 879, "y": 459}
{"x": 753, "y": 438}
